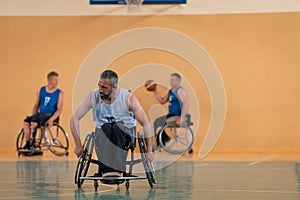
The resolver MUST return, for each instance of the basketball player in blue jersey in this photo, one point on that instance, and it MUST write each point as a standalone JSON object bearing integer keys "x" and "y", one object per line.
{"x": 114, "y": 111}
{"x": 47, "y": 107}
{"x": 178, "y": 106}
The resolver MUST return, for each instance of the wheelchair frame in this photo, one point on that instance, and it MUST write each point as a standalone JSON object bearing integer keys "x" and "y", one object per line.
{"x": 42, "y": 142}
{"x": 86, "y": 159}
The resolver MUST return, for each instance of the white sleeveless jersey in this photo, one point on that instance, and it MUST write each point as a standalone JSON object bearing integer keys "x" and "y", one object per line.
{"x": 115, "y": 112}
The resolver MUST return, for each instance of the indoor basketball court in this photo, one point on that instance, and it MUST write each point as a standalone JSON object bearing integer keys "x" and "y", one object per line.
{"x": 231, "y": 66}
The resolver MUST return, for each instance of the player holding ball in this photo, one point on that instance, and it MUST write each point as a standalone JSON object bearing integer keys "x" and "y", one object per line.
{"x": 178, "y": 104}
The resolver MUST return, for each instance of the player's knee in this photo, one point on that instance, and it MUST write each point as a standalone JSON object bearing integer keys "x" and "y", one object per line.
{"x": 26, "y": 124}
{"x": 33, "y": 124}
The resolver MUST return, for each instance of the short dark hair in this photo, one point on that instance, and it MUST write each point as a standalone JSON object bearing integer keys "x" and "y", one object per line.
{"x": 50, "y": 74}
{"x": 176, "y": 75}
{"x": 112, "y": 76}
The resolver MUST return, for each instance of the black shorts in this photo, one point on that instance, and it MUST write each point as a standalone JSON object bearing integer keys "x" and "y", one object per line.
{"x": 39, "y": 118}
{"x": 110, "y": 145}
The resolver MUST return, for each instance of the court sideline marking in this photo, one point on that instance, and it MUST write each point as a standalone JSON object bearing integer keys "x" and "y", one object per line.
{"x": 253, "y": 191}
{"x": 261, "y": 160}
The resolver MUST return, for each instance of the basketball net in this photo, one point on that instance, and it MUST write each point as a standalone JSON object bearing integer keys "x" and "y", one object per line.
{"x": 134, "y": 6}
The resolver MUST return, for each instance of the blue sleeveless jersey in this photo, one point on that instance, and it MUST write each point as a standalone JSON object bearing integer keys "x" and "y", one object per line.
{"x": 174, "y": 103}
{"x": 48, "y": 101}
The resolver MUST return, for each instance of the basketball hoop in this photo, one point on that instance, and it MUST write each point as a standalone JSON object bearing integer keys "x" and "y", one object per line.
{"x": 134, "y": 6}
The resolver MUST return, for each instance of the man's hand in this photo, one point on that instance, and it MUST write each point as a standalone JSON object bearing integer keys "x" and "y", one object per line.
{"x": 178, "y": 121}
{"x": 78, "y": 150}
{"x": 50, "y": 122}
{"x": 150, "y": 156}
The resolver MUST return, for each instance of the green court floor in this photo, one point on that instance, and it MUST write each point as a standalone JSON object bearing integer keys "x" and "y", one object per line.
{"x": 180, "y": 180}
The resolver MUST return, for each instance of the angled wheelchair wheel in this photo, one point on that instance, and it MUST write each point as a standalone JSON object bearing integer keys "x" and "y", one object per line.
{"x": 176, "y": 139}
{"x": 80, "y": 159}
{"x": 149, "y": 169}
{"x": 20, "y": 141}
{"x": 56, "y": 139}
{"x": 85, "y": 160}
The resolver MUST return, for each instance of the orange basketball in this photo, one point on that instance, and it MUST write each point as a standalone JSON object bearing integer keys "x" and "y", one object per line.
{"x": 150, "y": 85}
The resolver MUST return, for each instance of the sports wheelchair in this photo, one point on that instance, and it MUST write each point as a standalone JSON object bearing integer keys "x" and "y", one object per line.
{"x": 180, "y": 137}
{"x": 86, "y": 159}
{"x": 44, "y": 137}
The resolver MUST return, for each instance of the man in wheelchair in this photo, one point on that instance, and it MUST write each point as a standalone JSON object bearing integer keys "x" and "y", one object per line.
{"x": 46, "y": 110}
{"x": 178, "y": 107}
{"x": 113, "y": 111}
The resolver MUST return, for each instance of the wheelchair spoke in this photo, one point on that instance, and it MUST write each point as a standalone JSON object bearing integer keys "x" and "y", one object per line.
{"x": 182, "y": 135}
{"x": 172, "y": 142}
{"x": 57, "y": 142}
{"x": 184, "y": 143}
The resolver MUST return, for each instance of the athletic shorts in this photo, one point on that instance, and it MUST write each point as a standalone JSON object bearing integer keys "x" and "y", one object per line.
{"x": 40, "y": 118}
{"x": 110, "y": 145}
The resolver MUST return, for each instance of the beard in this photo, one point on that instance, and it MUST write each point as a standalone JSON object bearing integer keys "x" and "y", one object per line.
{"x": 105, "y": 96}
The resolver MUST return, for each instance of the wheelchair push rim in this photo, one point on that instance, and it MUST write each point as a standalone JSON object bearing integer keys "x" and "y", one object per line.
{"x": 80, "y": 160}
{"x": 85, "y": 160}
{"x": 20, "y": 140}
{"x": 181, "y": 138}
{"x": 149, "y": 170}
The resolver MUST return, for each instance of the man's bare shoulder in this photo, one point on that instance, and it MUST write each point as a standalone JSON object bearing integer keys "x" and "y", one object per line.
{"x": 181, "y": 89}
{"x": 38, "y": 91}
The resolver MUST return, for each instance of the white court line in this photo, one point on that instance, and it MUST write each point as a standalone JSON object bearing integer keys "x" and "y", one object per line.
{"x": 245, "y": 191}
{"x": 18, "y": 189}
{"x": 203, "y": 164}
{"x": 261, "y": 160}
{"x": 253, "y": 191}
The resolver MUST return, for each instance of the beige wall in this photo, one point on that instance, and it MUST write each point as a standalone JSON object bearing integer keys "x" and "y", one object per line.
{"x": 257, "y": 55}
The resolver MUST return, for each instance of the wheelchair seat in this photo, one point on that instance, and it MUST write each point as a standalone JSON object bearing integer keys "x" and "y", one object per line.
{"x": 187, "y": 121}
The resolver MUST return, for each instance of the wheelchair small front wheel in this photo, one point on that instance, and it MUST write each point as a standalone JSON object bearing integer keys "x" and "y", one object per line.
{"x": 176, "y": 139}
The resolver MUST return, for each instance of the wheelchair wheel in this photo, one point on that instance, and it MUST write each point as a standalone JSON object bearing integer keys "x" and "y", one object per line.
{"x": 20, "y": 141}
{"x": 149, "y": 170}
{"x": 56, "y": 139}
{"x": 85, "y": 160}
{"x": 80, "y": 159}
{"x": 176, "y": 139}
